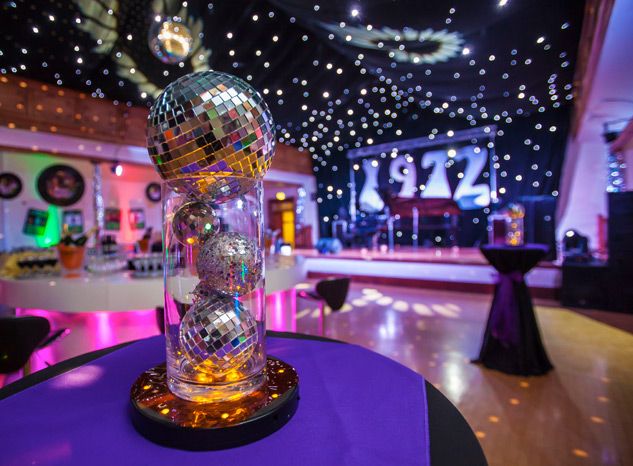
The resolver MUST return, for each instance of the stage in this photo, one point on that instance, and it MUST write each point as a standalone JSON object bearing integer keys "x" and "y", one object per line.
{"x": 452, "y": 269}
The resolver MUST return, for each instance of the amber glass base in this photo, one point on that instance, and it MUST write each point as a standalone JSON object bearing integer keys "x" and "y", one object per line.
{"x": 164, "y": 418}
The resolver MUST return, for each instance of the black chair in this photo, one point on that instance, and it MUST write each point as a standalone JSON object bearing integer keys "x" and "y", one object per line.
{"x": 333, "y": 291}
{"x": 20, "y": 337}
{"x": 160, "y": 314}
{"x": 330, "y": 291}
{"x": 160, "y": 319}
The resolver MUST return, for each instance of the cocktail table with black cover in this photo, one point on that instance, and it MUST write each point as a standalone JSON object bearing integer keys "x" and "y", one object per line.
{"x": 75, "y": 413}
{"x": 512, "y": 341}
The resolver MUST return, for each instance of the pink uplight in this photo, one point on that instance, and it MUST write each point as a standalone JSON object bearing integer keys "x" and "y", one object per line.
{"x": 90, "y": 331}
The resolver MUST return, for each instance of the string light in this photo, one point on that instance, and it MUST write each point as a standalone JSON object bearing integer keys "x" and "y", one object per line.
{"x": 375, "y": 102}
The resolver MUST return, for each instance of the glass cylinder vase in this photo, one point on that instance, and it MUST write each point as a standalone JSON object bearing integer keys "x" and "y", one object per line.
{"x": 214, "y": 294}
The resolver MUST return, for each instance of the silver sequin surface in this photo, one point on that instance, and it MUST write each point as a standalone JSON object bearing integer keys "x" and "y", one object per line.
{"x": 230, "y": 264}
{"x": 218, "y": 335}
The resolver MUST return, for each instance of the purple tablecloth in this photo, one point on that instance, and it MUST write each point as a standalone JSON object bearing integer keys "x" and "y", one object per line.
{"x": 356, "y": 408}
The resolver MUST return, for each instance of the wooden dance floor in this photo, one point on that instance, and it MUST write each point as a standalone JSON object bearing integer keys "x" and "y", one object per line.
{"x": 577, "y": 414}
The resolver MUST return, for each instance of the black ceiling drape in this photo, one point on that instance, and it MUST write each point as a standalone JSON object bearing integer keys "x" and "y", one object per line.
{"x": 336, "y": 80}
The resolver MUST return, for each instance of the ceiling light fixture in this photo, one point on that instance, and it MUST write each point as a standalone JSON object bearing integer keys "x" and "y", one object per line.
{"x": 117, "y": 168}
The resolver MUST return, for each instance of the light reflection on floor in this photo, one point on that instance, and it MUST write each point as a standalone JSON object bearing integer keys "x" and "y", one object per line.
{"x": 578, "y": 414}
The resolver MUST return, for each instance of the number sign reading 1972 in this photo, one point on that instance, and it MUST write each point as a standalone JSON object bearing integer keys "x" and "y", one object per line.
{"x": 459, "y": 174}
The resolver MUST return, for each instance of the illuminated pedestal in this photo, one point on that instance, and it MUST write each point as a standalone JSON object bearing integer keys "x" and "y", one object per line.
{"x": 163, "y": 418}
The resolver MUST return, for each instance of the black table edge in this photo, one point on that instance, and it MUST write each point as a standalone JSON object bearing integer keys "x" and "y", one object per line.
{"x": 445, "y": 420}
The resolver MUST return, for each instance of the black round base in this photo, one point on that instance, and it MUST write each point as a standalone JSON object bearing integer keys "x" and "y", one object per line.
{"x": 163, "y": 418}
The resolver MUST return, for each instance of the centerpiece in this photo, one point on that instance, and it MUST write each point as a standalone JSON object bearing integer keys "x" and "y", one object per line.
{"x": 211, "y": 137}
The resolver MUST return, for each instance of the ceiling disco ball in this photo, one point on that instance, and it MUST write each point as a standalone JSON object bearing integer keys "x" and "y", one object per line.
{"x": 218, "y": 335}
{"x": 229, "y": 263}
{"x": 212, "y": 134}
{"x": 169, "y": 41}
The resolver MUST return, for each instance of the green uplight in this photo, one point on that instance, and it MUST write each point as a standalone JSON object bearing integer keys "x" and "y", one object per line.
{"x": 52, "y": 233}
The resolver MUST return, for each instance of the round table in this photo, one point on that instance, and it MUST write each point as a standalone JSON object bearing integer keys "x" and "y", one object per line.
{"x": 512, "y": 341}
{"x": 357, "y": 407}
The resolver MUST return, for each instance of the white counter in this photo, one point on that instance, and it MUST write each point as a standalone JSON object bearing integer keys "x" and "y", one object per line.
{"x": 120, "y": 292}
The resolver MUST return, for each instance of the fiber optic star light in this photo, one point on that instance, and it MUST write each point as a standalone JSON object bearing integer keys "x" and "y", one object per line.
{"x": 211, "y": 134}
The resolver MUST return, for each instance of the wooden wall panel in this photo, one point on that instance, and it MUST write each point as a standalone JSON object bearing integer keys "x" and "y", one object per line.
{"x": 290, "y": 159}
{"x": 32, "y": 105}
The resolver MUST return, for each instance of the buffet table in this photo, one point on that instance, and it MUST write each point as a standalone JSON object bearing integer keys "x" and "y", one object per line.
{"x": 356, "y": 408}
{"x": 120, "y": 292}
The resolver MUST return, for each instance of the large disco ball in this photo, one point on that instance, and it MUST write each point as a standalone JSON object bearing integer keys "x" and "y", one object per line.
{"x": 169, "y": 40}
{"x": 218, "y": 335}
{"x": 210, "y": 133}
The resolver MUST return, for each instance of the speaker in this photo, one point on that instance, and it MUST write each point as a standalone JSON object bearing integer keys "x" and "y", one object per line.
{"x": 620, "y": 231}
{"x": 620, "y": 290}
{"x": 540, "y": 222}
{"x": 586, "y": 285}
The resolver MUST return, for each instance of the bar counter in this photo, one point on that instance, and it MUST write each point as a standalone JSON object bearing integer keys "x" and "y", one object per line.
{"x": 119, "y": 292}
